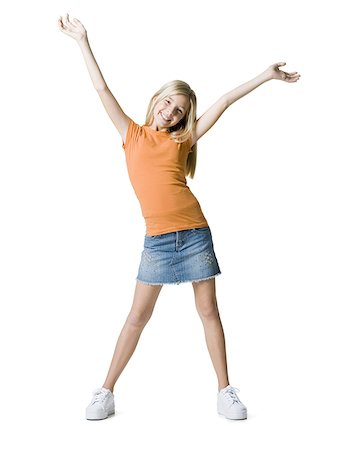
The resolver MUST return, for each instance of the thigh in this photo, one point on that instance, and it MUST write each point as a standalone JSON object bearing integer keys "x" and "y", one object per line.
{"x": 205, "y": 296}
{"x": 145, "y": 297}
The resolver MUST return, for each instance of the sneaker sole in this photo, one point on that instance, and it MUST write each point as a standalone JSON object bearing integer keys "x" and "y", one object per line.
{"x": 98, "y": 417}
{"x": 234, "y": 417}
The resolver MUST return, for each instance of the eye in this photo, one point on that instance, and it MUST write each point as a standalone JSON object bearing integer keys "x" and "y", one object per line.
{"x": 180, "y": 111}
{"x": 167, "y": 100}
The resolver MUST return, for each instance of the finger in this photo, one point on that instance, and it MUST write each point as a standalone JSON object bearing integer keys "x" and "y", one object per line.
{"x": 294, "y": 78}
{"x": 70, "y": 23}
{"x": 65, "y": 25}
{"x": 281, "y": 64}
{"x": 77, "y": 22}
{"x": 289, "y": 75}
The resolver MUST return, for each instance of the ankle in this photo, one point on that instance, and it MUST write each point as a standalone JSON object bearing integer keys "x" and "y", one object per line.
{"x": 110, "y": 388}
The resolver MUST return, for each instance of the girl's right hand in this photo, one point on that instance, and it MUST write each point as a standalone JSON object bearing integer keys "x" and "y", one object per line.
{"x": 75, "y": 30}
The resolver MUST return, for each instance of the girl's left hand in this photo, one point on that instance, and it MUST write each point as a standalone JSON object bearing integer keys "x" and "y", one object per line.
{"x": 274, "y": 73}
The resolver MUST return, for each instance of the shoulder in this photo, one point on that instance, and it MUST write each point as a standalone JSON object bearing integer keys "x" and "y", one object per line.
{"x": 132, "y": 132}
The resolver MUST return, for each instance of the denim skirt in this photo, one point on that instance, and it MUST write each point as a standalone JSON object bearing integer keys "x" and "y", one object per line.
{"x": 178, "y": 257}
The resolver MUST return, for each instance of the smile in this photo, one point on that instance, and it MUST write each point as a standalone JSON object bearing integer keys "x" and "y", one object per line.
{"x": 165, "y": 119}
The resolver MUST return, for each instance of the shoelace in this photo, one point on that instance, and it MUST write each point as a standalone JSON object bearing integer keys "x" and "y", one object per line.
{"x": 99, "y": 395}
{"x": 231, "y": 393}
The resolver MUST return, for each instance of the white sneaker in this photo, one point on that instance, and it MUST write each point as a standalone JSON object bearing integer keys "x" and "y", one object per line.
{"x": 229, "y": 405}
{"x": 102, "y": 404}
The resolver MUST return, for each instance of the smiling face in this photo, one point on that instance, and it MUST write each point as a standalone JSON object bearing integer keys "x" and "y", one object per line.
{"x": 169, "y": 111}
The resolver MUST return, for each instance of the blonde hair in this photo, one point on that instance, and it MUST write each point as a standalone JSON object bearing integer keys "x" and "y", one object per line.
{"x": 182, "y": 131}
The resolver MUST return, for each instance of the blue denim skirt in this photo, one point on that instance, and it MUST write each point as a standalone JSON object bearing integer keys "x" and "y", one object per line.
{"x": 178, "y": 257}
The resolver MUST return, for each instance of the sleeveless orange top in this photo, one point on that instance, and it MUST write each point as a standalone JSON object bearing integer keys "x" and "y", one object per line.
{"x": 155, "y": 165}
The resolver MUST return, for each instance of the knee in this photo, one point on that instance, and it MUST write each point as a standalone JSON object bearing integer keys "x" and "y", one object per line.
{"x": 138, "y": 318}
{"x": 207, "y": 308}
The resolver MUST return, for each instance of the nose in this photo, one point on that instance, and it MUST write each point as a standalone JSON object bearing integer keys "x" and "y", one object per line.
{"x": 169, "y": 111}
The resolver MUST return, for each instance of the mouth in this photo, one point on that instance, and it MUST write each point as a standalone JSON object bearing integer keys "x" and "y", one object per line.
{"x": 164, "y": 118}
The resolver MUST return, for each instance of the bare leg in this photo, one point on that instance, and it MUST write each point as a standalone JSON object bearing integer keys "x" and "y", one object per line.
{"x": 206, "y": 304}
{"x": 145, "y": 297}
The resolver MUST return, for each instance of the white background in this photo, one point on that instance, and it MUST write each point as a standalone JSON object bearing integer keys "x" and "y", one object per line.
{"x": 72, "y": 230}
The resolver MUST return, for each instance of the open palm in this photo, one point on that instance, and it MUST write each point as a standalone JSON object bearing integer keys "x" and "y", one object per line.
{"x": 277, "y": 74}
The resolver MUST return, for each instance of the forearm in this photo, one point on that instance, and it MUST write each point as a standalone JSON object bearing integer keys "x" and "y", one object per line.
{"x": 92, "y": 66}
{"x": 244, "y": 89}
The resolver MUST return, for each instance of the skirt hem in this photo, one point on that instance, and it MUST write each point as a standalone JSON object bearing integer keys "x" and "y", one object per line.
{"x": 179, "y": 282}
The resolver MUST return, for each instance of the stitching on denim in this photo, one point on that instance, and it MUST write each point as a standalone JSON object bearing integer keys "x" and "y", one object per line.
{"x": 179, "y": 282}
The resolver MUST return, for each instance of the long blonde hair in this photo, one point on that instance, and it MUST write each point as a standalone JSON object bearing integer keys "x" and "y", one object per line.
{"x": 182, "y": 131}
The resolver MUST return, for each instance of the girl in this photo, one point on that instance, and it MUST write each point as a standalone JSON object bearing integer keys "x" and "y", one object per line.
{"x": 178, "y": 245}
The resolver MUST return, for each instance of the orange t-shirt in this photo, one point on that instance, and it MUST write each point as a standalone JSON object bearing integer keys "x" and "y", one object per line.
{"x": 155, "y": 165}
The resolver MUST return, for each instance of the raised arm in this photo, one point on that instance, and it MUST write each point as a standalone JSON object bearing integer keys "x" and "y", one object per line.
{"x": 210, "y": 117}
{"x": 77, "y": 31}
